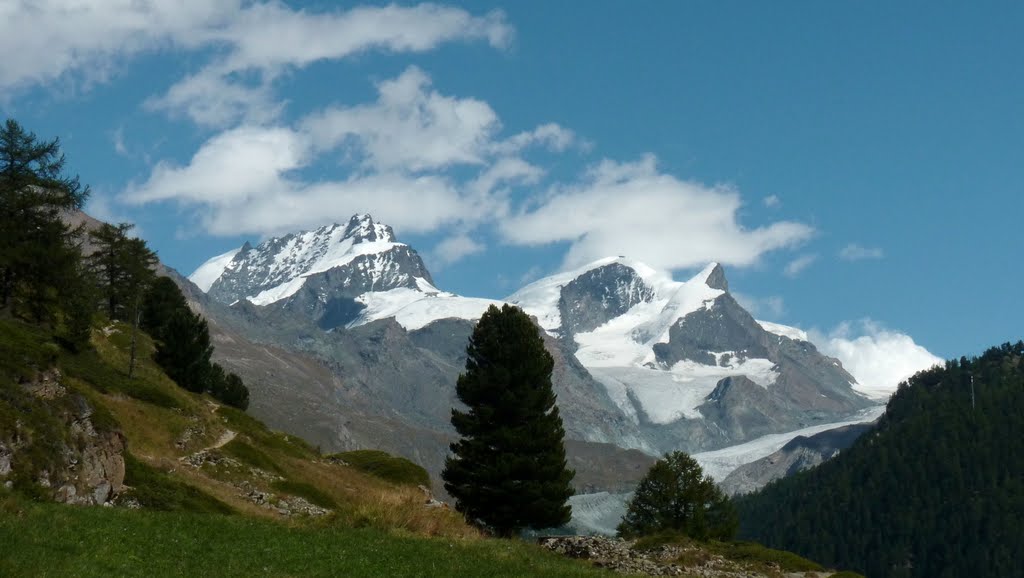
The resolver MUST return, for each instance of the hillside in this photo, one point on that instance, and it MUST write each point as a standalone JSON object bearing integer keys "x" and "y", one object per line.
{"x": 935, "y": 489}
{"x": 196, "y": 485}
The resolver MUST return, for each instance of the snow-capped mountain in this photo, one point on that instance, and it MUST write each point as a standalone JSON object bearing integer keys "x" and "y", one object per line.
{"x": 319, "y": 272}
{"x": 644, "y": 361}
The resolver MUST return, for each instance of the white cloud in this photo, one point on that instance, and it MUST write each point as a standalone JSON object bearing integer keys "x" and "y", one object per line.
{"x": 232, "y": 167}
{"x": 53, "y": 38}
{"x": 879, "y": 358}
{"x": 635, "y": 210}
{"x": 400, "y": 150}
{"x": 855, "y": 252}
{"x": 456, "y": 248}
{"x": 300, "y": 38}
{"x": 550, "y": 136}
{"x": 57, "y": 39}
{"x": 211, "y": 100}
{"x": 798, "y": 265}
{"x": 410, "y": 127}
{"x": 770, "y": 307}
{"x": 772, "y": 201}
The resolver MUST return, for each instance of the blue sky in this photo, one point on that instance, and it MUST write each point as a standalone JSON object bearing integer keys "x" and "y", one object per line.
{"x": 857, "y": 167}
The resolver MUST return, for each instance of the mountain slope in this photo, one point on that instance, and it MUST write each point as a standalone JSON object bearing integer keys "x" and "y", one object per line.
{"x": 935, "y": 489}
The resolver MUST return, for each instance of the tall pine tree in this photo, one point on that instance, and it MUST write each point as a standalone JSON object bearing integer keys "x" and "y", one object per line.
{"x": 508, "y": 471}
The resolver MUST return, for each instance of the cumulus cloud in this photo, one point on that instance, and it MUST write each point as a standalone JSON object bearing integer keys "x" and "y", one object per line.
{"x": 634, "y": 209}
{"x": 878, "y": 357}
{"x": 855, "y": 252}
{"x": 772, "y": 201}
{"x": 798, "y": 265}
{"x": 241, "y": 182}
{"x": 232, "y": 167}
{"x": 400, "y": 151}
{"x": 409, "y": 127}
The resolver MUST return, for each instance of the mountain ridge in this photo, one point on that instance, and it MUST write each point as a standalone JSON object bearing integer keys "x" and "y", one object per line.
{"x": 639, "y": 353}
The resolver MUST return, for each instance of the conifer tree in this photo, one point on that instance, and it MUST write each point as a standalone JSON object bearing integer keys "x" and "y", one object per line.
{"x": 508, "y": 470}
{"x": 184, "y": 350}
{"x": 161, "y": 301}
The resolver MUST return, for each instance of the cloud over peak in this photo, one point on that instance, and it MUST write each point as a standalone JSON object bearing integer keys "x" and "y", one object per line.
{"x": 633, "y": 208}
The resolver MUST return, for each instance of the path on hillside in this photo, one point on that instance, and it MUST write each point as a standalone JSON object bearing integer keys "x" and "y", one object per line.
{"x": 224, "y": 439}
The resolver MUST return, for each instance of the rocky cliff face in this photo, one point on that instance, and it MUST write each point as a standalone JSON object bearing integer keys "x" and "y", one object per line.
{"x": 600, "y": 295}
{"x": 61, "y": 451}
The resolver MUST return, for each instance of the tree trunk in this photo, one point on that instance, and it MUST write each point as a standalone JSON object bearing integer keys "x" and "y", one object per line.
{"x": 135, "y": 329}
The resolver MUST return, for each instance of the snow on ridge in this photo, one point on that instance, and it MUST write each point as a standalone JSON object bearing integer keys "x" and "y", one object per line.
{"x": 720, "y": 463}
{"x": 416, "y": 308}
{"x": 336, "y": 255}
{"x": 540, "y": 298}
{"x": 206, "y": 274}
{"x": 784, "y": 330}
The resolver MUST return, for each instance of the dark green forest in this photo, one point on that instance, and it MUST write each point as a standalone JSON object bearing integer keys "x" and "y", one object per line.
{"x": 936, "y": 489}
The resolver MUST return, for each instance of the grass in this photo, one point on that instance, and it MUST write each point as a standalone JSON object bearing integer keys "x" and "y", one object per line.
{"x": 252, "y": 456}
{"x": 750, "y": 554}
{"x": 763, "y": 557}
{"x": 156, "y": 490}
{"x": 52, "y": 540}
{"x": 308, "y": 491}
{"x": 385, "y": 466}
{"x": 244, "y": 423}
{"x": 105, "y": 378}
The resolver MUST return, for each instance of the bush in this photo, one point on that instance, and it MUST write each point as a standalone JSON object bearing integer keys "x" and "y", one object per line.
{"x": 675, "y": 495}
{"x": 386, "y": 466}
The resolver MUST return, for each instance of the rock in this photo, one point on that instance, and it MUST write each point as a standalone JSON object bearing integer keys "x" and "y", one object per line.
{"x": 5, "y": 459}
{"x": 47, "y": 385}
{"x": 101, "y": 492}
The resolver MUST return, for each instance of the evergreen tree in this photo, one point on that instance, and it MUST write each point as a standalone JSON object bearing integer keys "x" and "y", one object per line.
{"x": 184, "y": 350}
{"x": 161, "y": 301}
{"x": 508, "y": 470}
{"x": 228, "y": 388}
{"x": 38, "y": 254}
{"x": 79, "y": 309}
{"x": 676, "y": 495}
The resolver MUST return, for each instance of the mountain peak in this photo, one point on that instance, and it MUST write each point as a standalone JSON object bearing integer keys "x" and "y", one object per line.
{"x": 716, "y": 277}
{"x": 362, "y": 228}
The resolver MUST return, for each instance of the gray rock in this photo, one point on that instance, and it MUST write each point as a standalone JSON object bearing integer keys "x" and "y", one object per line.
{"x": 599, "y": 295}
{"x": 5, "y": 459}
{"x": 799, "y": 454}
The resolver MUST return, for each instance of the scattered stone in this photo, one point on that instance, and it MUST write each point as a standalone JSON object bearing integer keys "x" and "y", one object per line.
{"x": 619, "y": 556}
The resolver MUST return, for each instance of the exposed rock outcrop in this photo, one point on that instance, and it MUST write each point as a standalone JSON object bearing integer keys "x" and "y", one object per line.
{"x": 72, "y": 460}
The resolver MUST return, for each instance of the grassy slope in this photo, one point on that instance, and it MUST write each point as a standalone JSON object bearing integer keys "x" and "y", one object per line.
{"x": 53, "y": 540}
{"x": 376, "y": 526}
